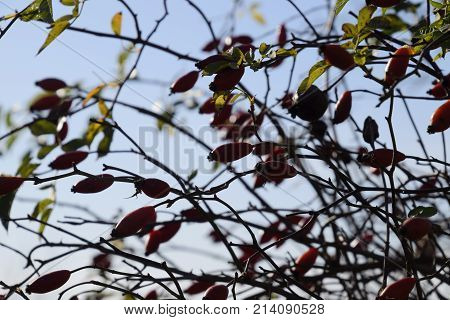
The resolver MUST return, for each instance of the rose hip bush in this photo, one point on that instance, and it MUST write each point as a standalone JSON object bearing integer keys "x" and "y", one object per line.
{"x": 319, "y": 106}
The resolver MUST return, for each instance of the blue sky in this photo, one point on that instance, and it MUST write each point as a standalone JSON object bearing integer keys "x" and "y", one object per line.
{"x": 77, "y": 57}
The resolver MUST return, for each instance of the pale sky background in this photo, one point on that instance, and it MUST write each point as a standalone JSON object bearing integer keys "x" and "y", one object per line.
{"x": 77, "y": 57}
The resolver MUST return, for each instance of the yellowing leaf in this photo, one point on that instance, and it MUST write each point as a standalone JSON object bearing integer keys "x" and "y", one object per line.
{"x": 116, "y": 23}
{"x": 58, "y": 27}
{"x": 93, "y": 93}
{"x": 102, "y": 107}
{"x": 256, "y": 15}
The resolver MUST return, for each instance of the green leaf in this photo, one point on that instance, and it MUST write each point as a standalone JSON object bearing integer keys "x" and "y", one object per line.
{"x": 93, "y": 129}
{"x": 116, "y": 23}
{"x": 67, "y": 2}
{"x": 364, "y": 16}
{"x": 105, "y": 143}
{"x": 41, "y": 206}
{"x": 44, "y": 218}
{"x": 215, "y": 67}
{"x": 390, "y": 22}
{"x": 436, "y": 4}
{"x": 26, "y": 167}
{"x": 192, "y": 175}
{"x": 73, "y": 145}
{"x": 6, "y": 202}
{"x": 315, "y": 72}
{"x": 58, "y": 27}
{"x": 42, "y": 211}
{"x": 340, "y": 4}
{"x": 282, "y": 52}
{"x": 422, "y": 212}
{"x": 349, "y": 30}
{"x": 42, "y": 127}
{"x": 39, "y": 10}
{"x": 45, "y": 150}
{"x": 263, "y": 48}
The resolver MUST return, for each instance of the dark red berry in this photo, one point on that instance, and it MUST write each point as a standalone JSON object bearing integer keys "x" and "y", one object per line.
{"x": 46, "y": 102}
{"x": 415, "y": 228}
{"x": 230, "y": 152}
{"x": 134, "y": 221}
{"x": 169, "y": 230}
{"x": 94, "y": 184}
{"x": 337, "y": 56}
{"x": 226, "y": 79}
{"x": 184, "y": 83}
{"x": 49, "y": 282}
{"x": 68, "y": 160}
{"x": 305, "y": 262}
{"x": 398, "y": 290}
{"x": 154, "y": 188}
{"x": 343, "y": 107}
{"x": 51, "y": 84}
{"x": 153, "y": 242}
{"x": 216, "y": 292}
{"x": 199, "y": 286}
{"x": 309, "y": 106}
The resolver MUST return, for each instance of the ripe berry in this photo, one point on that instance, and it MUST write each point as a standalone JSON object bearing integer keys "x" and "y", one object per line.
{"x": 154, "y": 188}
{"x": 184, "y": 83}
{"x": 216, "y": 292}
{"x": 9, "y": 184}
{"x": 226, "y": 79}
{"x": 49, "y": 282}
{"x": 211, "y": 45}
{"x": 102, "y": 260}
{"x": 281, "y": 35}
{"x": 384, "y": 3}
{"x": 440, "y": 119}
{"x": 51, "y": 84}
{"x": 244, "y": 39}
{"x": 381, "y": 158}
{"x": 246, "y": 48}
{"x": 46, "y": 102}
{"x": 337, "y": 56}
{"x": 398, "y": 290}
{"x": 309, "y": 106}
{"x": 415, "y": 228}
{"x": 305, "y": 262}
{"x": 193, "y": 214}
{"x": 153, "y": 242}
{"x": 94, "y": 184}
{"x": 209, "y": 106}
{"x": 275, "y": 171}
{"x": 397, "y": 65}
{"x": 343, "y": 107}
{"x": 230, "y": 152}
{"x": 61, "y": 131}
{"x": 221, "y": 116}
{"x": 68, "y": 160}
{"x": 152, "y": 295}
{"x": 199, "y": 286}
{"x": 134, "y": 221}
{"x": 270, "y": 233}
{"x": 264, "y": 148}
{"x": 438, "y": 91}
{"x": 250, "y": 127}
{"x": 169, "y": 230}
